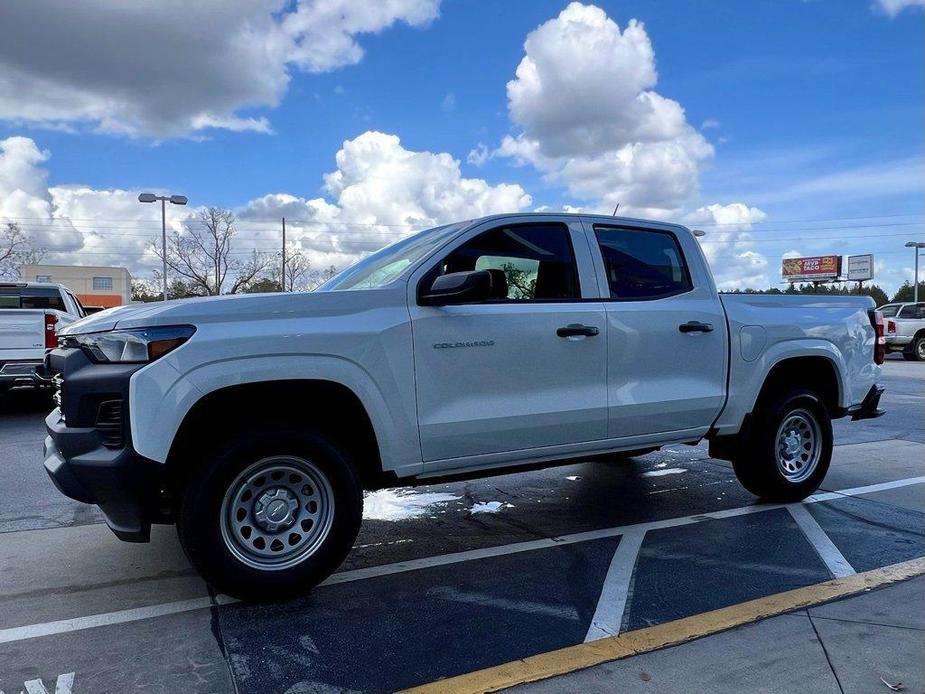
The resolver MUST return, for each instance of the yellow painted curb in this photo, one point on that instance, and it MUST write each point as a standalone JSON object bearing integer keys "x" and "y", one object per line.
{"x": 585, "y": 655}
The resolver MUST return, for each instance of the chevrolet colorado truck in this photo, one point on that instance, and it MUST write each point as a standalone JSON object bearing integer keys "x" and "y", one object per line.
{"x": 255, "y": 422}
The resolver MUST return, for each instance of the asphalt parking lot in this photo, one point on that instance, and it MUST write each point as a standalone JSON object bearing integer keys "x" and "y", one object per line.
{"x": 452, "y": 578}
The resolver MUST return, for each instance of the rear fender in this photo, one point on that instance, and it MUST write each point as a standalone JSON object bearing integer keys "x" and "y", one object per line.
{"x": 748, "y": 378}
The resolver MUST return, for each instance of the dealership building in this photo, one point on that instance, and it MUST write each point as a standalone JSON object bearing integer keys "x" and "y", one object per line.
{"x": 96, "y": 286}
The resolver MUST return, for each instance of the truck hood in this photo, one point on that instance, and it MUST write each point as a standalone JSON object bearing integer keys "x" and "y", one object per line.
{"x": 235, "y": 308}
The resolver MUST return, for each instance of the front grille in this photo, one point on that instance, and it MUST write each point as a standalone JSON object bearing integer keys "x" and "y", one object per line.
{"x": 109, "y": 423}
{"x": 57, "y": 382}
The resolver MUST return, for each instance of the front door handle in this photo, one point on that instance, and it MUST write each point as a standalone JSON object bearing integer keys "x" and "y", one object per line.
{"x": 577, "y": 329}
{"x": 695, "y": 326}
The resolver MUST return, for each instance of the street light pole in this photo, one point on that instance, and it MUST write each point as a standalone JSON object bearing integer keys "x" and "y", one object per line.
{"x": 915, "y": 246}
{"x": 164, "y": 246}
{"x": 164, "y": 199}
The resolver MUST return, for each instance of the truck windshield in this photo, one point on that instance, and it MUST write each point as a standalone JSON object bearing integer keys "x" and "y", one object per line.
{"x": 383, "y": 266}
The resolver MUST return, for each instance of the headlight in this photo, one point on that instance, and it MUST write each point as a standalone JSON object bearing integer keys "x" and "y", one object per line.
{"x": 130, "y": 346}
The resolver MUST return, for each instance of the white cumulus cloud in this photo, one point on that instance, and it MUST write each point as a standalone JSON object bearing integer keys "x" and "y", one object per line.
{"x": 729, "y": 246}
{"x": 170, "y": 68}
{"x": 588, "y": 117}
{"x": 378, "y": 192}
{"x": 894, "y": 7}
{"x": 583, "y": 100}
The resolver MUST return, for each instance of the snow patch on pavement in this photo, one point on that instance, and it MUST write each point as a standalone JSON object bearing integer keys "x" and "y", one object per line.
{"x": 489, "y": 507}
{"x": 666, "y": 471}
{"x": 401, "y": 504}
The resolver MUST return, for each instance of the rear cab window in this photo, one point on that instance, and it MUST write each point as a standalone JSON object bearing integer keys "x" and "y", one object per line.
{"x": 32, "y": 297}
{"x": 642, "y": 264}
{"x": 890, "y": 310}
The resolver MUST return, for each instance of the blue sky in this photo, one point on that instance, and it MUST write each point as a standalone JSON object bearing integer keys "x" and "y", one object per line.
{"x": 812, "y": 111}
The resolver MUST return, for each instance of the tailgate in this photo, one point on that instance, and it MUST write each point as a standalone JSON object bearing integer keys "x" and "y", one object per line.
{"x": 22, "y": 334}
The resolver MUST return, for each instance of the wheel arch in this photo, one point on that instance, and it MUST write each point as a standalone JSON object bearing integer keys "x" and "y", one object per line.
{"x": 814, "y": 372}
{"x": 327, "y": 406}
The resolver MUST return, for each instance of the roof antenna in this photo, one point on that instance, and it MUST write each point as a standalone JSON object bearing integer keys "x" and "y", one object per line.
{"x": 615, "y": 209}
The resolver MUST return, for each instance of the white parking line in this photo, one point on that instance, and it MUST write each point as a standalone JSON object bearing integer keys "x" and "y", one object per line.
{"x": 834, "y": 560}
{"x": 610, "y": 606}
{"x": 139, "y": 613}
{"x": 64, "y": 626}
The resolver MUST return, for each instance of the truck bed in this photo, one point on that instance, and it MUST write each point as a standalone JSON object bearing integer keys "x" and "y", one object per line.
{"x": 763, "y": 327}
{"x": 22, "y": 334}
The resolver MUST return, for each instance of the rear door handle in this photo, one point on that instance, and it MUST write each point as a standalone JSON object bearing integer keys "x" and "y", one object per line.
{"x": 577, "y": 329}
{"x": 695, "y": 326}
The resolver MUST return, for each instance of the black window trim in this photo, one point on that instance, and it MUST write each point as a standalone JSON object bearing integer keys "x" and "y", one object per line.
{"x": 429, "y": 276}
{"x": 628, "y": 227}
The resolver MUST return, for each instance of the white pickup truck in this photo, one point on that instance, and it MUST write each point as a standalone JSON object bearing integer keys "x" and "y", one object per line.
{"x": 255, "y": 422}
{"x": 31, "y": 313}
{"x": 905, "y": 329}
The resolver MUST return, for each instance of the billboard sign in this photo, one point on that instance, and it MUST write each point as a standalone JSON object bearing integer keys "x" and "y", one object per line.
{"x": 860, "y": 267}
{"x": 820, "y": 267}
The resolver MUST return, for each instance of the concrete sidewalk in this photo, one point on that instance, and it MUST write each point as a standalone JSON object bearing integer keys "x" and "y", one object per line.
{"x": 842, "y": 647}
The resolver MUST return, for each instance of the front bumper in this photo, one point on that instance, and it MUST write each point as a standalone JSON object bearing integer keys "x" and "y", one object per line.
{"x": 122, "y": 483}
{"x": 88, "y": 450}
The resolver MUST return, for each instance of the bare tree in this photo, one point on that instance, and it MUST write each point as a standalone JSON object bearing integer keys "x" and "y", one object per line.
{"x": 16, "y": 250}
{"x": 520, "y": 284}
{"x": 202, "y": 255}
{"x": 246, "y": 271}
{"x": 295, "y": 274}
{"x": 319, "y": 277}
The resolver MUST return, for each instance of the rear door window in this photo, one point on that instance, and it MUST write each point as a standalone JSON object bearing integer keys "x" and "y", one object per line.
{"x": 642, "y": 264}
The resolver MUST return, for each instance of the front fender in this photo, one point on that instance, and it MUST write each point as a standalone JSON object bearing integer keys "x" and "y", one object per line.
{"x": 162, "y": 397}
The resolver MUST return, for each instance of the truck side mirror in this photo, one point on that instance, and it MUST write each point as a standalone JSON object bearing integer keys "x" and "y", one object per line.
{"x": 459, "y": 288}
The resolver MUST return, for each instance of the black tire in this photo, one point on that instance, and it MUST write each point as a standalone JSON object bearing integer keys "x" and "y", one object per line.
{"x": 756, "y": 459}
{"x": 917, "y": 350}
{"x": 210, "y": 546}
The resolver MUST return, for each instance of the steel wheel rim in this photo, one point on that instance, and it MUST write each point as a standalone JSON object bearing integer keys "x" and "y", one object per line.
{"x": 798, "y": 445}
{"x": 920, "y": 349}
{"x": 277, "y": 512}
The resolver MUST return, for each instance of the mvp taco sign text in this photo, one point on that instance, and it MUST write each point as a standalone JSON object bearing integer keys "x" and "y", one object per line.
{"x": 820, "y": 267}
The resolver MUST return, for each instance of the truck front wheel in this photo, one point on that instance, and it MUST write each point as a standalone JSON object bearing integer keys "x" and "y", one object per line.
{"x": 271, "y": 514}
{"x": 786, "y": 453}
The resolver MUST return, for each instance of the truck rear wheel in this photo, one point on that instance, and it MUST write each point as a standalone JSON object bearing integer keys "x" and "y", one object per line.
{"x": 916, "y": 350}
{"x": 271, "y": 514}
{"x": 786, "y": 453}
